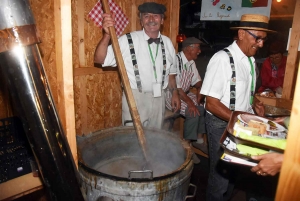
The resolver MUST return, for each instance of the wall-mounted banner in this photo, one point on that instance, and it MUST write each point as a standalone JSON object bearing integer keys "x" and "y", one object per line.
{"x": 232, "y": 10}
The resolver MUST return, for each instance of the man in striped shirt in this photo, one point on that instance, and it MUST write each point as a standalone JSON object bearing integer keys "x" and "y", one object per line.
{"x": 191, "y": 107}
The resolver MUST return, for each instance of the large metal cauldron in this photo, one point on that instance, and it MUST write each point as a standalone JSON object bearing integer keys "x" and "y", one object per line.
{"x": 112, "y": 166}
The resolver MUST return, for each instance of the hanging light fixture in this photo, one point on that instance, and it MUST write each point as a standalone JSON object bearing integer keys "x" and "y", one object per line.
{"x": 180, "y": 38}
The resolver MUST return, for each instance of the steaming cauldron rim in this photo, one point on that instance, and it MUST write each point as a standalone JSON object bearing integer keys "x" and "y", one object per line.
{"x": 171, "y": 174}
{"x": 91, "y": 170}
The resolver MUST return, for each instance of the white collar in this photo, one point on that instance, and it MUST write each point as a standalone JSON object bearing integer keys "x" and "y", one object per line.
{"x": 146, "y": 37}
{"x": 184, "y": 59}
{"x": 240, "y": 54}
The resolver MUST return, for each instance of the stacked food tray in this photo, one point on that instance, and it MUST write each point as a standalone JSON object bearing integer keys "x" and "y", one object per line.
{"x": 15, "y": 152}
{"x": 242, "y": 140}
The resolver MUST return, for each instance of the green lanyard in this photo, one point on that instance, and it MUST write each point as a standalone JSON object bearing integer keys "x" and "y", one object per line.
{"x": 153, "y": 60}
{"x": 252, "y": 82}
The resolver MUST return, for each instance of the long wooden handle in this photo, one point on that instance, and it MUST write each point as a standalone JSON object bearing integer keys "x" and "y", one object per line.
{"x": 124, "y": 78}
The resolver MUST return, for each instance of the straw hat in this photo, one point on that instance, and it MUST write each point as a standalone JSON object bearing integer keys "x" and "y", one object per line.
{"x": 254, "y": 22}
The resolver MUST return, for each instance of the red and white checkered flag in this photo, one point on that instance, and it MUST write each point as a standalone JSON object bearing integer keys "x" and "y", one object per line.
{"x": 121, "y": 20}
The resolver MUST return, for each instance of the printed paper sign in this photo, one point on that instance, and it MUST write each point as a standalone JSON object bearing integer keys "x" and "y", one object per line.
{"x": 232, "y": 10}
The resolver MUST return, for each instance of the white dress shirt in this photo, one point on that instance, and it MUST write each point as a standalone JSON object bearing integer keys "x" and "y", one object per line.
{"x": 144, "y": 61}
{"x": 218, "y": 75}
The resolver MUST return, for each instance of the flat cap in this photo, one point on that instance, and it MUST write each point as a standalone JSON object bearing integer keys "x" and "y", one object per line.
{"x": 190, "y": 41}
{"x": 152, "y": 7}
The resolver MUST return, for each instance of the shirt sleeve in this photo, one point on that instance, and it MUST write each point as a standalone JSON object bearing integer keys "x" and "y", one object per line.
{"x": 196, "y": 77}
{"x": 110, "y": 59}
{"x": 174, "y": 65}
{"x": 218, "y": 74}
{"x": 171, "y": 60}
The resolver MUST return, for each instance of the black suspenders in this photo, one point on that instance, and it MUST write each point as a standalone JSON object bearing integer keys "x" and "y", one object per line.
{"x": 232, "y": 82}
{"x": 135, "y": 65}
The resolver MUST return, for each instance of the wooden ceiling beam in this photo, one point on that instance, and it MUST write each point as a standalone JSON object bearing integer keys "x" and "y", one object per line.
{"x": 281, "y": 17}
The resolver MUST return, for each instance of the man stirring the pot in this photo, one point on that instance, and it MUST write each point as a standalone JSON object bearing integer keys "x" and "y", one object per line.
{"x": 229, "y": 86}
{"x": 150, "y": 63}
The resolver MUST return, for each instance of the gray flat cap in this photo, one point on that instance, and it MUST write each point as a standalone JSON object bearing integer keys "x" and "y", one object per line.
{"x": 152, "y": 7}
{"x": 190, "y": 41}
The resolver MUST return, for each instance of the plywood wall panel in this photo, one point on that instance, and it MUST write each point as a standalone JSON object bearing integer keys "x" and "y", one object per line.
{"x": 97, "y": 102}
{"x": 92, "y": 34}
{"x": 79, "y": 85}
{"x": 95, "y": 96}
{"x": 75, "y": 35}
{"x": 43, "y": 12}
{"x": 113, "y": 98}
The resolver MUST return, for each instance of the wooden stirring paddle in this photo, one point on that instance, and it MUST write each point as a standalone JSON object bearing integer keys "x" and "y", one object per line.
{"x": 125, "y": 81}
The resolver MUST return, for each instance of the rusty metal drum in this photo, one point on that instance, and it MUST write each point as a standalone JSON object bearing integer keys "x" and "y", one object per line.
{"x": 112, "y": 166}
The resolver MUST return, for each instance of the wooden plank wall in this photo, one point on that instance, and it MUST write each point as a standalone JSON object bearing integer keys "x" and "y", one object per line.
{"x": 43, "y": 12}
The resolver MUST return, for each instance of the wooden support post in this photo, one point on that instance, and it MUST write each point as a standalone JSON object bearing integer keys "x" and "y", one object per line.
{"x": 289, "y": 179}
{"x": 290, "y": 69}
{"x": 174, "y": 21}
{"x": 134, "y": 19}
{"x": 64, "y": 65}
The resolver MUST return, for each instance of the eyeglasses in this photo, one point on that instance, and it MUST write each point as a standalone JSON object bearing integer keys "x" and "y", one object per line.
{"x": 258, "y": 39}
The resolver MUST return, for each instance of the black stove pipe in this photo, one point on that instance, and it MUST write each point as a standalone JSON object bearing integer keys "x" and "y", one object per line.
{"x": 22, "y": 70}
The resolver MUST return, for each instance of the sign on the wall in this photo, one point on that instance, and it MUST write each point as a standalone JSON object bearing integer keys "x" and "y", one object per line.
{"x": 232, "y": 10}
{"x": 288, "y": 43}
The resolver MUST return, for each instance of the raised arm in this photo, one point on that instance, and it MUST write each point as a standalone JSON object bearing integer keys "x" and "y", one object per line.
{"x": 101, "y": 50}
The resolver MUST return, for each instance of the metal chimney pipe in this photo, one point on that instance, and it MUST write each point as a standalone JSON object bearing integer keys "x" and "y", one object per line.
{"x": 22, "y": 70}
